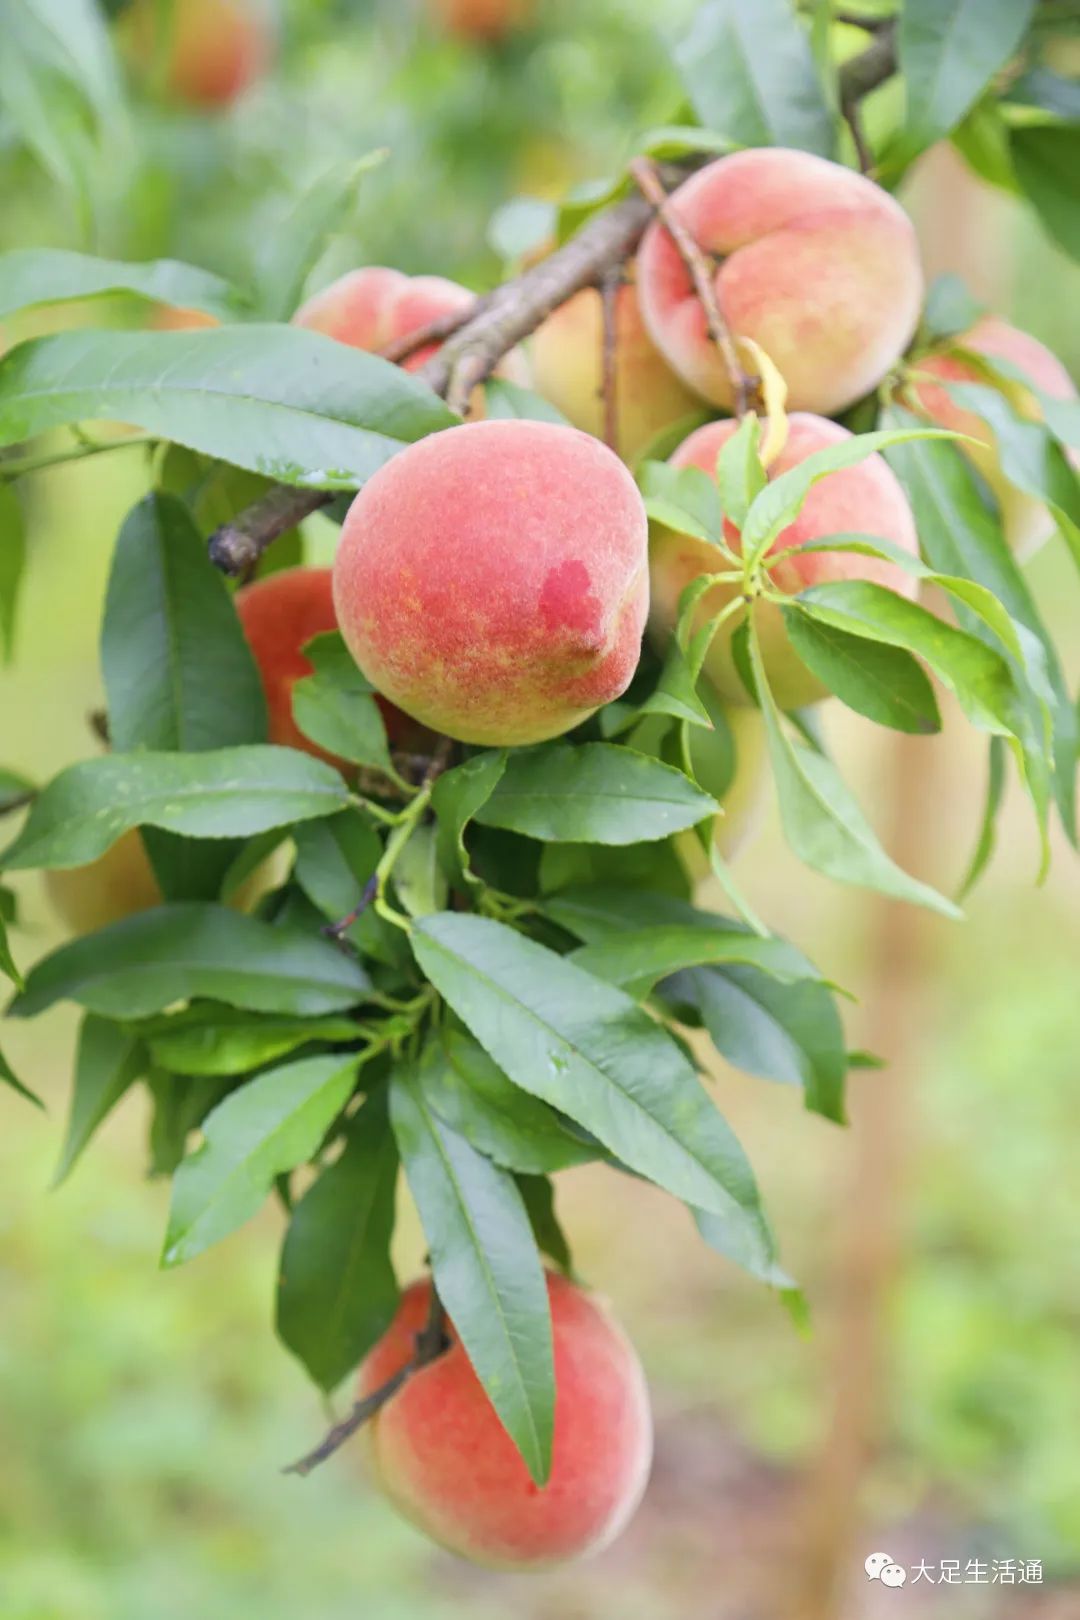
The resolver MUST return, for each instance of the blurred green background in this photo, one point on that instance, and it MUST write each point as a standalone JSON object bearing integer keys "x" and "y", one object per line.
{"x": 144, "y": 1416}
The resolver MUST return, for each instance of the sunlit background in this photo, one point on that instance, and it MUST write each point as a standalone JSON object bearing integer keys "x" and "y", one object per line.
{"x": 934, "y": 1410}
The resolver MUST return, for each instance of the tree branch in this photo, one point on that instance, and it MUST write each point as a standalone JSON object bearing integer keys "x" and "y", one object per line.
{"x": 502, "y": 318}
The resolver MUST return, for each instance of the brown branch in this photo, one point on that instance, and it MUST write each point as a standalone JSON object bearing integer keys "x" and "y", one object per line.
{"x": 434, "y": 331}
{"x": 506, "y": 316}
{"x": 744, "y": 386}
{"x": 609, "y": 304}
{"x": 431, "y": 1342}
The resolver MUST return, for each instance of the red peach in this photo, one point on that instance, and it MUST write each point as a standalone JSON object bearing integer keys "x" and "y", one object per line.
{"x": 445, "y": 1461}
{"x": 374, "y": 307}
{"x": 492, "y": 580}
{"x": 215, "y": 51}
{"x": 864, "y": 499}
{"x": 1026, "y": 521}
{"x": 814, "y": 262}
{"x": 567, "y": 360}
{"x": 280, "y": 613}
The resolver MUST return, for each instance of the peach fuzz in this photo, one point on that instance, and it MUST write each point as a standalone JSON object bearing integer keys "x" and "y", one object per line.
{"x": 215, "y": 51}
{"x": 864, "y": 499}
{"x": 567, "y": 361}
{"x": 376, "y": 306}
{"x": 492, "y": 580}
{"x": 1026, "y": 521}
{"x": 443, "y": 1458}
{"x": 279, "y": 614}
{"x": 814, "y": 262}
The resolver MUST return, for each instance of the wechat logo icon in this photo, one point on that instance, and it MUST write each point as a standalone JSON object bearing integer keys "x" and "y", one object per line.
{"x": 881, "y": 1566}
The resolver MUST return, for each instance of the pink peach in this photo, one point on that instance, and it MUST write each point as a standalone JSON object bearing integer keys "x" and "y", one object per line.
{"x": 215, "y": 51}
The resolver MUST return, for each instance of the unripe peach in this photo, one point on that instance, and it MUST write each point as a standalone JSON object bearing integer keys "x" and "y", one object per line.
{"x": 445, "y": 1461}
{"x": 374, "y": 307}
{"x": 567, "y": 361}
{"x": 1026, "y": 521}
{"x": 814, "y": 262}
{"x": 729, "y": 762}
{"x": 865, "y": 499}
{"x": 279, "y": 614}
{"x": 116, "y": 885}
{"x": 487, "y": 20}
{"x": 492, "y": 580}
{"x": 216, "y": 49}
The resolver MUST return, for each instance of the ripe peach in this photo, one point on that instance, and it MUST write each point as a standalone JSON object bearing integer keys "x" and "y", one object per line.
{"x": 814, "y": 262}
{"x": 1026, "y": 521}
{"x": 376, "y": 306}
{"x": 215, "y": 51}
{"x": 864, "y": 499}
{"x": 486, "y": 20}
{"x": 279, "y": 614}
{"x": 567, "y": 361}
{"x": 445, "y": 1461}
{"x": 492, "y": 580}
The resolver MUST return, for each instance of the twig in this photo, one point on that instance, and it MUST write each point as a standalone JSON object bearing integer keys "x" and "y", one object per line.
{"x": 338, "y": 930}
{"x": 744, "y": 386}
{"x": 98, "y": 721}
{"x": 609, "y": 302}
{"x": 504, "y": 317}
{"x": 434, "y": 331}
{"x": 853, "y": 119}
{"x": 431, "y": 1342}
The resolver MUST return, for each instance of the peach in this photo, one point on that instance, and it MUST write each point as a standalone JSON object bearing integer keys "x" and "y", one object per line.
{"x": 567, "y": 361}
{"x": 731, "y": 763}
{"x": 443, "y": 1458}
{"x": 492, "y": 580}
{"x": 864, "y": 499}
{"x": 484, "y": 20}
{"x": 377, "y": 306}
{"x": 216, "y": 49}
{"x": 116, "y": 885}
{"x": 813, "y": 261}
{"x": 1026, "y": 521}
{"x": 279, "y": 614}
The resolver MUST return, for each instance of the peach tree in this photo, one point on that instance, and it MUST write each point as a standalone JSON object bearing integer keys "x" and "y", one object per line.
{"x": 395, "y": 863}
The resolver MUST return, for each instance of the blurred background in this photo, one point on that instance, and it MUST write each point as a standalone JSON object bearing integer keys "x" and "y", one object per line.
{"x": 934, "y": 1409}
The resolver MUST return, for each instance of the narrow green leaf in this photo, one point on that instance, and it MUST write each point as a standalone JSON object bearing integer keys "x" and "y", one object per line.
{"x": 7, "y": 961}
{"x": 1046, "y": 157}
{"x": 10, "y": 1078}
{"x": 148, "y": 961}
{"x": 210, "y": 1039}
{"x": 108, "y": 1062}
{"x": 591, "y": 1052}
{"x": 268, "y": 1126}
{"x": 226, "y": 793}
{"x": 30, "y": 276}
{"x": 984, "y": 847}
{"x": 456, "y": 798}
{"x": 486, "y": 1269}
{"x": 538, "y": 1195}
{"x": 949, "y": 51}
{"x": 685, "y": 499}
{"x": 594, "y": 793}
{"x": 335, "y": 706}
{"x": 78, "y": 33}
{"x": 15, "y": 790}
{"x": 336, "y": 1288}
{"x": 740, "y": 477}
{"x": 294, "y": 248}
{"x": 291, "y": 404}
{"x": 12, "y": 566}
{"x": 882, "y": 682}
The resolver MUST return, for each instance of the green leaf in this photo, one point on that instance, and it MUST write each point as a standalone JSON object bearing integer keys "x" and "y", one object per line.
{"x": 291, "y": 404}
{"x": 980, "y": 678}
{"x": 822, "y": 822}
{"x": 456, "y": 798}
{"x": 949, "y": 51}
{"x": 1046, "y": 157}
{"x": 10, "y": 1078}
{"x": 43, "y": 105}
{"x": 15, "y": 790}
{"x": 1040, "y": 87}
{"x": 108, "y": 1062}
{"x": 473, "y": 1095}
{"x": 148, "y": 961}
{"x": 209, "y": 1039}
{"x": 506, "y": 400}
{"x": 740, "y": 477}
{"x": 12, "y": 565}
{"x": 267, "y": 1127}
{"x": 685, "y": 499}
{"x": 591, "y": 1052}
{"x": 751, "y": 76}
{"x": 419, "y": 881}
{"x": 7, "y": 961}
{"x": 538, "y": 1196}
{"x": 486, "y": 1268}
{"x": 336, "y": 1288}
{"x": 780, "y": 502}
{"x": 30, "y": 276}
{"x": 295, "y": 246}
{"x": 226, "y": 793}
{"x": 790, "y": 1033}
{"x": 180, "y": 1105}
{"x": 984, "y": 848}
{"x": 950, "y": 307}
{"x": 77, "y": 32}
{"x": 335, "y": 706}
{"x": 882, "y": 682}
{"x": 595, "y": 793}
